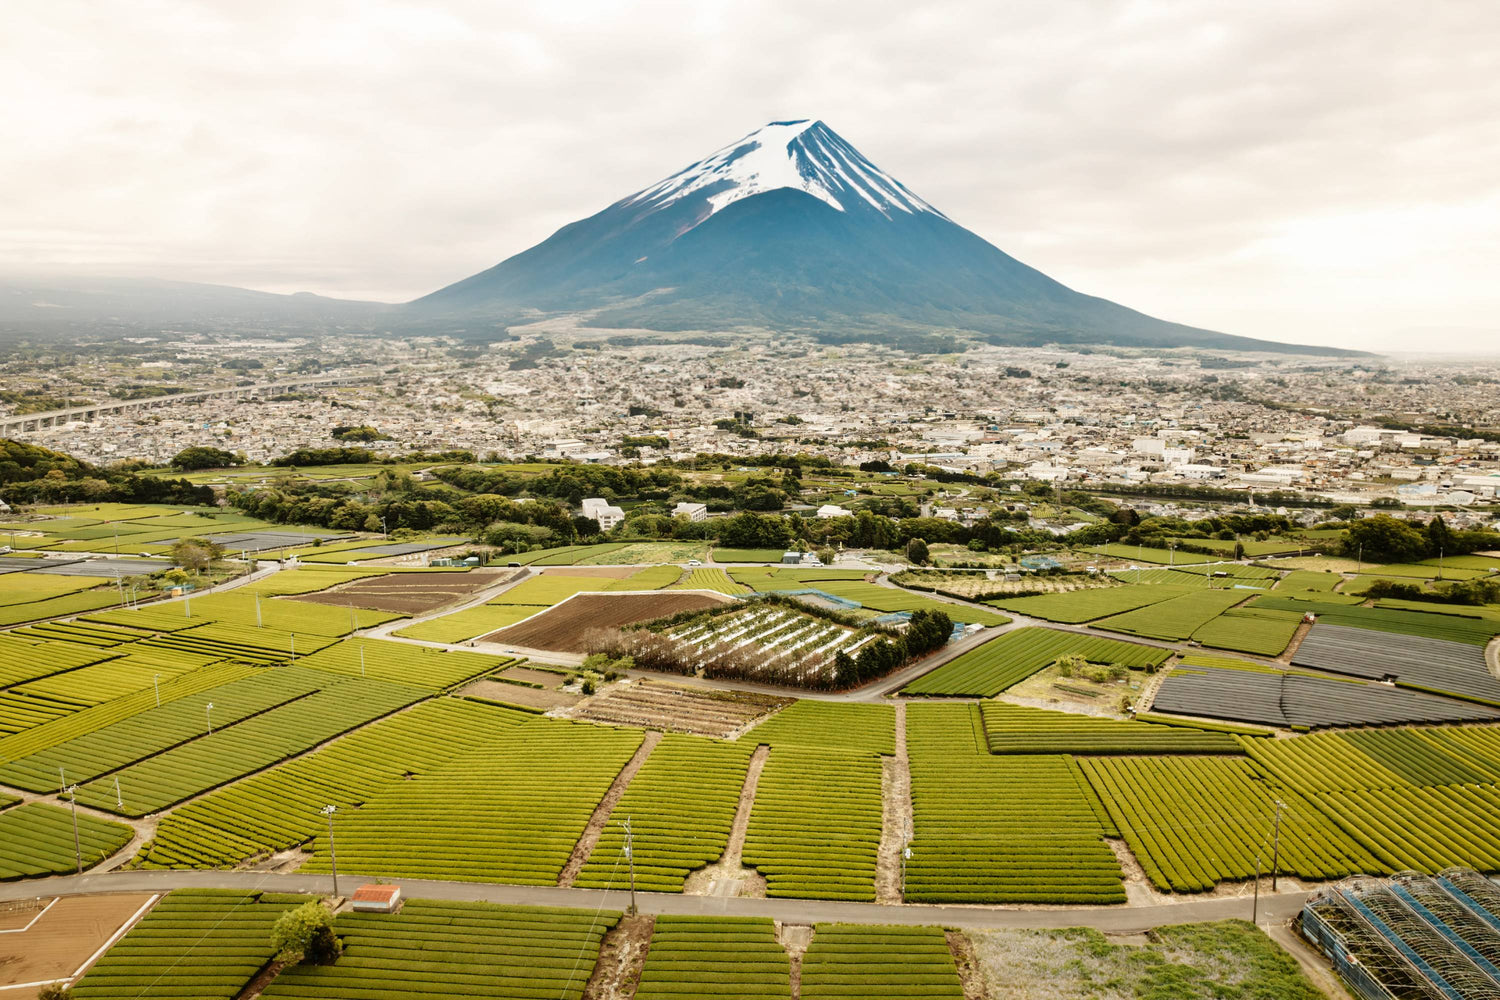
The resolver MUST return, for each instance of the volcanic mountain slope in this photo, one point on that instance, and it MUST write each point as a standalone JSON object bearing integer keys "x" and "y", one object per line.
{"x": 790, "y": 228}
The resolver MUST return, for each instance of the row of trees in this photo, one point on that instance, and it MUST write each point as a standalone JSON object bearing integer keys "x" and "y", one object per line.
{"x": 31, "y": 474}
{"x": 1384, "y": 538}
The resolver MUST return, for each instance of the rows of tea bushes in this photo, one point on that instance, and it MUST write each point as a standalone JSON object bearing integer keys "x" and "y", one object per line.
{"x": 132, "y": 670}
{"x": 1194, "y": 822}
{"x": 1250, "y": 629}
{"x": 404, "y": 663}
{"x": 245, "y": 643}
{"x": 204, "y": 943}
{"x": 1422, "y": 829}
{"x": 37, "y": 839}
{"x": 303, "y": 617}
{"x": 900, "y": 963}
{"x": 710, "y": 578}
{"x": 71, "y": 725}
{"x": 1000, "y": 829}
{"x": 1020, "y": 729}
{"x": 1178, "y": 618}
{"x": 440, "y": 948}
{"x": 23, "y": 660}
{"x": 278, "y": 809}
{"x": 832, "y": 724}
{"x": 715, "y": 957}
{"x": 1321, "y": 762}
{"x": 815, "y": 828}
{"x": 1076, "y": 606}
{"x": 510, "y": 811}
{"x": 155, "y": 730}
{"x": 232, "y": 752}
{"x": 1014, "y": 656}
{"x": 680, "y": 805}
{"x": 1422, "y": 799}
{"x": 1407, "y": 753}
{"x": 1475, "y": 631}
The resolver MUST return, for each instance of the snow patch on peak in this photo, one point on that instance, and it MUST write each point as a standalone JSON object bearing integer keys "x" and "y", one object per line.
{"x": 804, "y": 155}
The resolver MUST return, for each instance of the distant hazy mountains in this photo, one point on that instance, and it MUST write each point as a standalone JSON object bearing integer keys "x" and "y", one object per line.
{"x": 788, "y": 229}
{"x": 79, "y": 304}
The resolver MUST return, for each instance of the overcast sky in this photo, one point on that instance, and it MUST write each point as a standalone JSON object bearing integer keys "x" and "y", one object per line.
{"x": 1325, "y": 171}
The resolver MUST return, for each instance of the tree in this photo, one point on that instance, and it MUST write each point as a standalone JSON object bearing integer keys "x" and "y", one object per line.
{"x": 1439, "y": 537}
{"x": 916, "y": 551}
{"x": 195, "y": 554}
{"x": 204, "y": 458}
{"x": 305, "y": 934}
{"x": 1383, "y": 538}
{"x": 362, "y": 432}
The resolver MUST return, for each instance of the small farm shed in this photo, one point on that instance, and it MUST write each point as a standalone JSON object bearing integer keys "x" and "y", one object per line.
{"x": 377, "y": 899}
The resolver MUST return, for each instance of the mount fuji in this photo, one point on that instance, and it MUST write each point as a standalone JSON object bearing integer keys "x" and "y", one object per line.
{"x": 792, "y": 229}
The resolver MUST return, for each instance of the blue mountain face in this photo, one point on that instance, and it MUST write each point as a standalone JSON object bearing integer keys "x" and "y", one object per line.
{"x": 791, "y": 229}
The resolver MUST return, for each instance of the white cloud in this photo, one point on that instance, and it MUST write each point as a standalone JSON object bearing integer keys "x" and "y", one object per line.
{"x": 1319, "y": 172}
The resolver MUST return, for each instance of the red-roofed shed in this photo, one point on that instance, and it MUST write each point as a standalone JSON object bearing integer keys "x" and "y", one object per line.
{"x": 377, "y": 898}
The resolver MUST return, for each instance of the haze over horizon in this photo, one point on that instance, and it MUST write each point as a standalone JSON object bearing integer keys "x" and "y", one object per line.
{"x": 1313, "y": 175}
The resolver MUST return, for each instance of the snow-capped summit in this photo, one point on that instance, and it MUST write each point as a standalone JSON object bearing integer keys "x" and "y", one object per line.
{"x": 790, "y": 228}
{"x": 803, "y": 155}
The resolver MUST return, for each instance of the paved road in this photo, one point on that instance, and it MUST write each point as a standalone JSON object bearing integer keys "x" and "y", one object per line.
{"x": 1110, "y": 919}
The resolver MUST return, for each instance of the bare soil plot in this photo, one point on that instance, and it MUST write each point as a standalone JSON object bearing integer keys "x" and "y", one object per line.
{"x": 517, "y": 694}
{"x": 64, "y": 937}
{"x": 562, "y": 628}
{"x": 407, "y": 593}
{"x": 545, "y": 678}
{"x": 678, "y": 709}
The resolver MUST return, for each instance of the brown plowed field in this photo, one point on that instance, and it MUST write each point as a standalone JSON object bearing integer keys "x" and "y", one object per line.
{"x": 408, "y": 593}
{"x": 561, "y": 628}
{"x": 62, "y": 939}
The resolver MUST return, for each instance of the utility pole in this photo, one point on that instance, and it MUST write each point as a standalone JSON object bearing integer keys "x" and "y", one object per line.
{"x": 905, "y": 857}
{"x": 77, "y": 844}
{"x": 119, "y": 799}
{"x": 630, "y": 857}
{"x": 362, "y": 659}
{"x": 257, "y": 612}
{"x": 208, "y": 712}
{"x": 157, "y": 688}
{"x": 1276, "y": 844}
{"x": 333, "y": 858}
{"x": 294, "y": 647}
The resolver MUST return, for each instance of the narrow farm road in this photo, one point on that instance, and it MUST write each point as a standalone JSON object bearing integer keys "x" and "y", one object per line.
{"x": 1274, "y": 908}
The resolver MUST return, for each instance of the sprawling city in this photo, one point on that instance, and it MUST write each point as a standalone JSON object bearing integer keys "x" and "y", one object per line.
{"x": 762, "y": 586}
